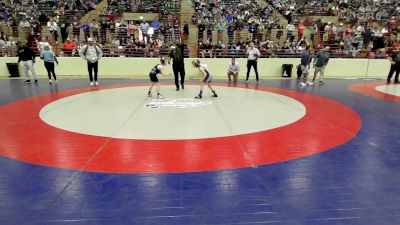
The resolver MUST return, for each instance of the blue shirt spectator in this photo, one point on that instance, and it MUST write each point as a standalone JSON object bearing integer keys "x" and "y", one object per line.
{"x": 48, "y": 55}
{"x": 220, "y": 26}
{"x": 155, "y": 24}
{"x": 229, "y": 18}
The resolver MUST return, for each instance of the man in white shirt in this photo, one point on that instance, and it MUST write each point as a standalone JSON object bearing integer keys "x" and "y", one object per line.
{"x": 52, "y": 25}
{"x": 252, "y": 55}
{"x": 24, "y": 23}
{"x": 92, "y": 54}
{"x": 43, "y": 42}
{"x": 233, "y": 70}
{"x": 290, "y": 29}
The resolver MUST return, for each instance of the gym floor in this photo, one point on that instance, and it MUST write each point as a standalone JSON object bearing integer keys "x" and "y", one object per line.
{"x": 272, "y": 153}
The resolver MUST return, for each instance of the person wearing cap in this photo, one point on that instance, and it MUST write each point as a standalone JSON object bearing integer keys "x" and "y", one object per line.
{"x": 320, "y": 62}
{"x": 92, "y": 53}
{"x": 27, "y": 56}
{"x": 49, "y": 58}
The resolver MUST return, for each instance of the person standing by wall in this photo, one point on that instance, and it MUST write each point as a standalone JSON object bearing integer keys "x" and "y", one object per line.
{"x": 233, "y": 70}
{"x": 305, "y": 66}
{"x": 27, "y": 56}
{"x": 252, "y": 55}
{"x": 92, "y": 54}
{"x": 49, "y": 58}
{"x": 395, "y": 66}
{"x": 178, "y": 64}
{"x": 320, "y": 62}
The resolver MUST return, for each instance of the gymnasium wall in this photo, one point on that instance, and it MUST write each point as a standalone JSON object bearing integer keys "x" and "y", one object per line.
{"x": 140, "y": 67}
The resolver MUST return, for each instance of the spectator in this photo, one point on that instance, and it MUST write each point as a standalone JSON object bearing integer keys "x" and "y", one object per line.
{"x": 300, "y": 29}
{"x": 185, "y": 32}
{"x": 69, "y": 47}
{"x": 252, "y": 30}
{"x": 104, "y": 26}
{"x": 52, "y": 26}
{"x": 64, "y": 31}
{"x": 49, "y": 58}
{"x": 24, "y": 24}
{"x": 290, "y": 29}
{"x": 76, "y": 27}
{"x": 220, "y": 30}
{"x": 201, "y": 28}
{"x": 92, "y": 54}
{"x": 43, "y": 42}
{"x": 95, "y": 27}
{"x": 86, "y": 30}
{"x": 144, "y": 28}
{"x": 320, "y": 62}
{"x": 305, "y": 66}
{"x": 132, "y": 28}
{"x": 115, "y": 42}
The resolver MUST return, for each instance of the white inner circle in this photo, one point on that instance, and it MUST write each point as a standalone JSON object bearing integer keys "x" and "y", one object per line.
{"x": 124, "y": 113}
{"x": 391, "y": 89}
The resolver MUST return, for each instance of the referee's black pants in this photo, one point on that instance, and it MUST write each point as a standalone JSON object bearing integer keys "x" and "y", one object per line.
{"x": 394, "y": 68}
{"x": 251, "y": 63}
{"x": 179, "y": 70}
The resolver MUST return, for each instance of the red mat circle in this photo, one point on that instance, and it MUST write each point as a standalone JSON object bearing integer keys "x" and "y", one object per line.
{"x": 368, "y": 89}
{"x": 27, "y": 138}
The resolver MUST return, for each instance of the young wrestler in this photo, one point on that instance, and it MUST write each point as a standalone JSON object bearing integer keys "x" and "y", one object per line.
{"x": 206, "y": 78}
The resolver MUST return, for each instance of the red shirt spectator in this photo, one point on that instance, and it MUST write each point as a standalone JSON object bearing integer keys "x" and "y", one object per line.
{"x": 69, "y": 46}
{"x": 392, "y": 22}
{"x": 300, "y": 29}
{"x": 112, "y": 17}
{"x": 349, "y": 31}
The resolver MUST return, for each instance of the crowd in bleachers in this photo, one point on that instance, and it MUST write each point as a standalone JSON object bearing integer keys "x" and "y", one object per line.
{"x": 367, "y": 29}
{"x": 118, "y": 37}
{"x": 225, "y": 28}
{"x": 232, "y": 16}
{"x": 346, "y": 10}
{"x": 132, "y": 38}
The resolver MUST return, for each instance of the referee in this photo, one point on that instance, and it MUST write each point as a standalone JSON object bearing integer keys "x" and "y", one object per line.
{"x": 27, "y": 56}
{"x": 178, "y": 64}
{"x": 252, "y": 55}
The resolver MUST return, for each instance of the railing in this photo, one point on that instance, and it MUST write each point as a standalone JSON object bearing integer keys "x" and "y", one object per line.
{"x": 107, "y": 52}
{"x": 202, "y": 53}
{"x": 281, "y": 53}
